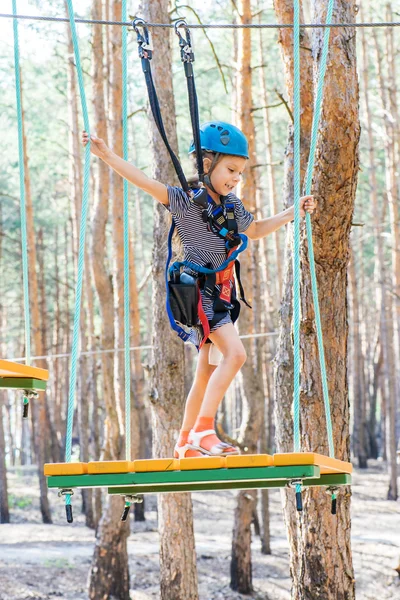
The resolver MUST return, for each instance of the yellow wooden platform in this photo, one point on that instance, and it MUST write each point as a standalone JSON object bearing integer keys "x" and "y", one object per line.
{"x": 249, "y": 460}
{"x": 160, "y": 464}
{"x": 156, "y": 464}
{"x": 65, "y": 469}
{"x": 12, "y": 369}
{"x": 327, "y": 465}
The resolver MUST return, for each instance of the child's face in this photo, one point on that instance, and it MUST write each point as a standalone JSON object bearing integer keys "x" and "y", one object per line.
{"x": 227, "y": 173}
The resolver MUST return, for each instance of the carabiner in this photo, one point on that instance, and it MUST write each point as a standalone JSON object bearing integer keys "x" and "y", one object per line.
{"x": 185, "y": 43}
{"x": 143, "y": 39}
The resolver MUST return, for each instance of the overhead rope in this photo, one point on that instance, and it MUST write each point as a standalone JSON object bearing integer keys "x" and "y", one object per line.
{"x": 22, "y": 203}
{"x": 208, "y": 25}
{"x": 81, "y": 258}
{"x": 296, "y": 241}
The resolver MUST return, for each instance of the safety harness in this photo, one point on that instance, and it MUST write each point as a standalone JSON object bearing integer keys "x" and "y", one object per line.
{"x": 184, "y": 305}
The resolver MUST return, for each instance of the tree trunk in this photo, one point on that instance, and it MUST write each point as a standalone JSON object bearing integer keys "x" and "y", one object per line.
{"x": 357, "y": 368}
{"x": 39, "y": 405}
{"x": 178, "y": 574}
{"x": 321, "y": 564}
{"x": 253, "y": 392}
{"x": 109, "y": 572}
{"x": 391, "y": 304}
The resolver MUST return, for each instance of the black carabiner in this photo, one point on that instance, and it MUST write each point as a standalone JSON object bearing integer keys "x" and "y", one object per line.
{"x": 143, "y": 39}
{"x": 185, "y": 43}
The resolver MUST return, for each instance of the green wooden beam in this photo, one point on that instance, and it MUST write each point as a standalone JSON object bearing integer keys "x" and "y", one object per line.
{"x": 209, "y": 476}
{"x": 325, "y": 480}
{"x": 22, "y": 383}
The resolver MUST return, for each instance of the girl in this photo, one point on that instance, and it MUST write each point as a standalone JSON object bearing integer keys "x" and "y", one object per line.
{"x": 225, "y": 154}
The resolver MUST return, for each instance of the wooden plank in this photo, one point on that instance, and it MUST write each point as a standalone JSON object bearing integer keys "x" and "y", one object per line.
{"x": 206, "y": 462}
{"x": 156, "y": 464}
{"x": 24, "y": 383}
{"x": 52, "y": 469}
{"x": 249, "y": 461}
{"x": 326, "y": 464}
{"x": 336, "y": 480}
{"x": 184, "y": 477}
{"x": 12, "y": 369}
{"x": 110, "y": 466}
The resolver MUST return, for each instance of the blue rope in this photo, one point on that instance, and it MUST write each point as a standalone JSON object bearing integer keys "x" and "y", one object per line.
{"x": 81, "y": 252}
{"x": 314, "y": 285}
{"x": 296, "y": 258}
{"x": 24, "y": 243}
{"x": 126, "y": 239}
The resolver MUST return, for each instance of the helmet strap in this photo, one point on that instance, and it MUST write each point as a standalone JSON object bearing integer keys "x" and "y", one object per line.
{"x": 207, "y": 177}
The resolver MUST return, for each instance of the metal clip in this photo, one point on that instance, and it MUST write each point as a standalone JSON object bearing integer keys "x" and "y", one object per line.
{"x": 145, "y": 48}
{"x": 299, "y": 502}
{"x": 27, "y": 396}
{"x": 65, "y": 492}
{"x": 134, "y": 499}
{"x": 130, "y": 499}
{"x": 185, "y": 43}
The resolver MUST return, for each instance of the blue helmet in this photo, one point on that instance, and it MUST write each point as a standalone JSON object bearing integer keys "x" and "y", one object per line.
{"x": 217, "y": 136}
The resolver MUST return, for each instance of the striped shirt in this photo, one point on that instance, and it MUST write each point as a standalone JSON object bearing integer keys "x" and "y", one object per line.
{"x": 202, "y": 246}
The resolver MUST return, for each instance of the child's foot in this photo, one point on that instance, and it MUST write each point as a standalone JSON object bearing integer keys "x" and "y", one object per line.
{"x": 208, "y": 443}
{"x": 183, "y": 449}
{"x": 186, "y": 451}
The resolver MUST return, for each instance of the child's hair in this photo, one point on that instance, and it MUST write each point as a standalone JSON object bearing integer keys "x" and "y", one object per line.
{"x": 214, "y": 157}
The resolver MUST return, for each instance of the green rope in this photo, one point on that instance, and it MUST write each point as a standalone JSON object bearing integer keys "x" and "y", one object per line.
{"x": 24, "y": 243}
{"x": 296, "y": 251}
{"x": 126, "y": 239}
{"x": 81, "y": 252}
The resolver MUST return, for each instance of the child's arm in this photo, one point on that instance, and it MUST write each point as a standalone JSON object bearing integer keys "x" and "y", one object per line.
{"x": 127, "y": 170}
{"x": 263, "y": 227}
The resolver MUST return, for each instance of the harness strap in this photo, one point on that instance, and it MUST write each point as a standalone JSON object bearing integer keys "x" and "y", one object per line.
{"x": 179, "y": 330}
{"x": 145, "y": 54}
{"x": 203, "y": 320}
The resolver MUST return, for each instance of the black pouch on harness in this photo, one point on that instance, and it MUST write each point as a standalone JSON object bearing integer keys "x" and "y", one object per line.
{"x": 183, "y": 299}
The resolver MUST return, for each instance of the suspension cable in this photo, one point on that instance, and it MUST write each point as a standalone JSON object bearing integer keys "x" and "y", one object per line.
{"x": 208, "y": 25}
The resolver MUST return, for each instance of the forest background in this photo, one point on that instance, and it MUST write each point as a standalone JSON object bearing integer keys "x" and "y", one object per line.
{"x": 52, "y": 124}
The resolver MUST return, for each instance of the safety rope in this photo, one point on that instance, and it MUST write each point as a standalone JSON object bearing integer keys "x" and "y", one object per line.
{"x": 126, "y": 239}
{"x": 22, "y": 204}
{"x": 81, "y": 256}
{"x": 209, "y": 25}
{"x": 308, "y": 183}
{"x": 296, "y": 243}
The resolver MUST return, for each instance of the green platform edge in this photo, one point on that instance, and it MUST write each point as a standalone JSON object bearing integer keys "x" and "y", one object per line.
{"x": 22, "y": 383}
{"x": 337, "y": 479}
{"x": 204, "y": 479}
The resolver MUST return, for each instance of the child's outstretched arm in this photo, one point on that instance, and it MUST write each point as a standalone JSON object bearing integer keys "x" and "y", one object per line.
{"x": 126, "y": 169}
{"x": 263, "y": 227}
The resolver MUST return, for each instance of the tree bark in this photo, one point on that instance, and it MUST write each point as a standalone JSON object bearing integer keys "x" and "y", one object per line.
{"x": 39, "y": 405}
{"x": 357, "y": 370}
{"x": 109, "y": 572}
{"x": 321, "y": 564}
{"x": 253, "y": 389}
{"x": 4, "y": 509}
{"x": 178, "y": 574}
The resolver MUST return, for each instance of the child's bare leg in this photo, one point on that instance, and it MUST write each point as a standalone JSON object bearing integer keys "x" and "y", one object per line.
{"x": 195, "y": 397}
{"x": 199, "y": 386}
{"x": 234, "y": 356}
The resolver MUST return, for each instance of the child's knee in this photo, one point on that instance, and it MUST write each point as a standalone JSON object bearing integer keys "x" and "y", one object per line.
{"x": 237, "y": 356}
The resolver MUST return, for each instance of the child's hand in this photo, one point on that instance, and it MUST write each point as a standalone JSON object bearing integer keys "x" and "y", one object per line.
{"x": 307, "y": 204}
{"x": 97, "y": 146}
